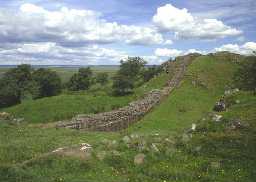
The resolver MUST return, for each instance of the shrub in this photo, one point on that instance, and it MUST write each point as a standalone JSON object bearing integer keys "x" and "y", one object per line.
{"x": 48, "y": 81}
{"x": 16, "y": 85}
{"x": 81, "y": 80}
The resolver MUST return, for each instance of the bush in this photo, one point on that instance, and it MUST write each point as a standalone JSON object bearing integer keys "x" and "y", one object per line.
{"x": 49, "y": 82}
{"x": 16, "y": 85}
{"x": 151, "y": 72}
{"x": 81, "y": 80}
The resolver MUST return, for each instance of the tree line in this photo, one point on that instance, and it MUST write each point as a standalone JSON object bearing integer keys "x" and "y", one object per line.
{"x": 25, "y": 83}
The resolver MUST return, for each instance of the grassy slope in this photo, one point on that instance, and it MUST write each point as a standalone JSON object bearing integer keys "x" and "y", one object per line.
{"x": 182, "y": 164}
{"x": 187, "y": 103}
{"x": 66, "y": 106}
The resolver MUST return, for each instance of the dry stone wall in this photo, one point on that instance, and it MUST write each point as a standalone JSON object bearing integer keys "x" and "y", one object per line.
{"x": 121, "y": 118}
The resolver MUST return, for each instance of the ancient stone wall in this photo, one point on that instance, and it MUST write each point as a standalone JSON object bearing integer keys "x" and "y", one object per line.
{"x": 123, "y": 117}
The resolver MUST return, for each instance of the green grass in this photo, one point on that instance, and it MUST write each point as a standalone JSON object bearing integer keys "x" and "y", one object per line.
{"x": 181, "y": 160}
{"x": 187, "y": 103}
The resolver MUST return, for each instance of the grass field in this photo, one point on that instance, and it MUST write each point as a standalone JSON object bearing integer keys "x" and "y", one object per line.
{"x": 214, "y": 152}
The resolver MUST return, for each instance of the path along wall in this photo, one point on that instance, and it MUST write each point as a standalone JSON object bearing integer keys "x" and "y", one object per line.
{"x": 121, "y": 118}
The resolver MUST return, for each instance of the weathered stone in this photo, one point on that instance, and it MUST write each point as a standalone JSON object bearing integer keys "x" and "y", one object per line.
{"x": 139, "y": 159}
{"x": 216, "y": 118}
{"x": 154, "y": 148}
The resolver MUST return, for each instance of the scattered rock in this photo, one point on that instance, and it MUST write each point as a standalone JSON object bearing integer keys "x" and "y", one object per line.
{"x": 5, "y": 116}
{"x": 238, "y": 124}
{"x": 154, "y": 148}
{"x": 58, "y": 150}
{"x": 220, "y": 106}
{"x": 230, "y": 92}
{"x": 139, "y": 159}
{"x": 193, "y": 128}
{"x": 216, "y": 118}
{"x": 85, "y": 147}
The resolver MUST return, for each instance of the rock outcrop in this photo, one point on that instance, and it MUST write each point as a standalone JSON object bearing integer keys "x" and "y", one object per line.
{"x": 125, "y": 116}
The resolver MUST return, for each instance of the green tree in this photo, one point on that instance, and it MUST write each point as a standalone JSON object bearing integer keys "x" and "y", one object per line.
{"x": 130, "y": 71}
{"x": 122, "y": 85}
{"x": 48, "y": 81}
{"x": 81, "y": 80}
{"x": 17, "y": 85}
{"x": 132, "y": 67}
{"x": 102, "y": 78}
{"x": 245, "y": 77}
{"x": 151, "y": 72}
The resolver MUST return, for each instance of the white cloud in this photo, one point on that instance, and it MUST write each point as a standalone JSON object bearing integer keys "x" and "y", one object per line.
{"x": 32, "y": 23}
{"x": 164, "y": 52}
{"x": 185, "y": 25}
{"x": 168, "y": 42}
{"x": 51, "y": 53}
{"x": 245, "y": 49}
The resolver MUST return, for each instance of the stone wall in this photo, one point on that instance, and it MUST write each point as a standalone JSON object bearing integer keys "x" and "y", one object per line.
{"x": 123, "y": 117}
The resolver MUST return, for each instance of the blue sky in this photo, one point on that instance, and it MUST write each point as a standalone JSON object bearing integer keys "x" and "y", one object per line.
{"x": 103, "y": 32}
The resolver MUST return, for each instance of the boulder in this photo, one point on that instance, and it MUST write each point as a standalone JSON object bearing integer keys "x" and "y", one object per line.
{"x": 219, "y": 106}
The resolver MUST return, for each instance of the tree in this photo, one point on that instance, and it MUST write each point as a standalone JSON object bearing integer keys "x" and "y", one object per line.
{"x": 17, "y": 85}
{"x": 81, "y": 80}
{"x": 132, "y": 67}
{"x": 151, "y": 72}
{"x": 102, "y": 78}
{"x": 129, "y": 72}
{"x": 48, "y": 81}
{"x": 245, "y": 77}
{"x": 122, "y": 85}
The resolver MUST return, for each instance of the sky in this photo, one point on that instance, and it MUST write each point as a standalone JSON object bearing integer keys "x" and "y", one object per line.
{"x": 96, "y": 32}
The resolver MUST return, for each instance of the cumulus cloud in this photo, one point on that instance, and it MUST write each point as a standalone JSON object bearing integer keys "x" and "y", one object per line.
{"x": 164, "y": 52}
{"x": 32, "y": 23}
{"x": 185, "y": 25}
{"x": 246, "y": 49}
{"x": 51, "y": 53}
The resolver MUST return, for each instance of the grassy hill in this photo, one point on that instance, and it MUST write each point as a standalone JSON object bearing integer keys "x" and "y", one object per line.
{"x": 215, "y": 151}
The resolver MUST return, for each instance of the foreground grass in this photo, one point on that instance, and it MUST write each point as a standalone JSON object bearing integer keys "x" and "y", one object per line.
{"x": 213, "y": 152}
